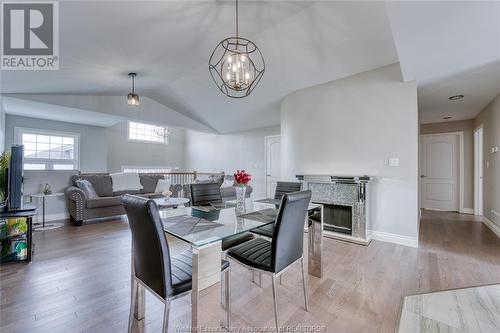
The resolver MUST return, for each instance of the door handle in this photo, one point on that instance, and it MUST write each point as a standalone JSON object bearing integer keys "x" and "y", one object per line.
{"x": 423, "y": 176}
{"x": 268, "y": 175}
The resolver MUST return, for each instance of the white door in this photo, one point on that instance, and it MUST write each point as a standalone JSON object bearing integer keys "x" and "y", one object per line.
{"x": 478, "y": 171}
{"x": 273, "y": 163}
{"x": 440, "y": 172}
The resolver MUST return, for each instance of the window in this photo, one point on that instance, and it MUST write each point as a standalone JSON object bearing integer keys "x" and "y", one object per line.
{"x": 48, "y": 150}
{"x": 146, "y": 169}
{"x": 147, "y": 132}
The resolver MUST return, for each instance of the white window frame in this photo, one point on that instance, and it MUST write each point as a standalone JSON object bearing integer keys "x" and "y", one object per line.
{"x": 142, "y": 167}
{"x": 49, "y": 163}
{"x": 146, "y": 141}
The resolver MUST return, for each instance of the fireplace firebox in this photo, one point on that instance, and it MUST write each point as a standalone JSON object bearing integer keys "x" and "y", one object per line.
{"x": 337, "y": 218}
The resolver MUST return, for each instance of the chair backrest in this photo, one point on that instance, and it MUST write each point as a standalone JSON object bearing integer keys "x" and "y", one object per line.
{"x": 205, "y": 194}
{"x": 288, "y": 237}
{"x": 150, "y": 250}
{"x": 286, "y": 187}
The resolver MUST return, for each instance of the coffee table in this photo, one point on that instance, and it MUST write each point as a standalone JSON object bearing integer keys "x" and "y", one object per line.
{"x": 171, "y": 202}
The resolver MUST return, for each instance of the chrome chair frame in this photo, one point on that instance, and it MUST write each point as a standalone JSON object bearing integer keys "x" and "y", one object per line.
{"x": 137, "y": 300}
{"x": 273, "y": 279}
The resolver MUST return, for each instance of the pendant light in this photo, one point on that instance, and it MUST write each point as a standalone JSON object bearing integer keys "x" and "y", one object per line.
{"x": 133, "y": 98}
{"x": 236, "y": 65}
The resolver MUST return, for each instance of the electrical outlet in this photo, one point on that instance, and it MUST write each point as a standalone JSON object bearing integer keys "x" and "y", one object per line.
{"x": 394, "y": 162}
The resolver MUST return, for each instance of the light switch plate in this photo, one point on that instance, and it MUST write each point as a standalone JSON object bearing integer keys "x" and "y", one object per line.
{"x": 394, "y": 162}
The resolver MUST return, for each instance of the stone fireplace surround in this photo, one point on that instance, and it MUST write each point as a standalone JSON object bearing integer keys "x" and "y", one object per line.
{"x": 339, "y": 190}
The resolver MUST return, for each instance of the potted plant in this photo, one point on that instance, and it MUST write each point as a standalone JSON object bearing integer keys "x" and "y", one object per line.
{"x": 241, "y": 179}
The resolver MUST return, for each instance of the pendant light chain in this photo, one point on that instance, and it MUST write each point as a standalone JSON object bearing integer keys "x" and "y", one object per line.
{"x": 237, "y": 32}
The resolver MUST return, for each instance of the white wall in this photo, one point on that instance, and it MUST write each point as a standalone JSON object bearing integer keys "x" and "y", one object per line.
{"x": 489, "y": 118}
{"x": 122, "y": 152}
{"x": 352, "y": 126}
{"x": 229, "y": 152}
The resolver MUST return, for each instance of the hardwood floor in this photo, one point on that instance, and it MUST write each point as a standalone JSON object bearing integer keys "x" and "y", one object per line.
{"x": 79, "y": 281}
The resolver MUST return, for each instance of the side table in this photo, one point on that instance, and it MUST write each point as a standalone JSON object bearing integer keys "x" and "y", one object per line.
{"x": 42, "y": 226}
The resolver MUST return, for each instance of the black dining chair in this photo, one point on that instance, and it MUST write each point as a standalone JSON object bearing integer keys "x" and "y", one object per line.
{"x": 286, "y": 248}
{"x": 167, "y": 277}
{"x": 282, "y": 188}
{"x": 209, "y": 195}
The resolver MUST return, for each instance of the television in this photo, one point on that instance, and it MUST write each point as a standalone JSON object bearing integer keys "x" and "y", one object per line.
{"x": 15, "y": 179}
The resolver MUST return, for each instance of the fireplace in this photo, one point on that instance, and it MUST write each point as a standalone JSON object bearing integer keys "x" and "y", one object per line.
{"x": 338, "y": 218}
{"x": 345, "y": 204}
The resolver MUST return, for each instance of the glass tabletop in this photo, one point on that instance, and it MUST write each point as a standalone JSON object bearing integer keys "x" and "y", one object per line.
{"x": 205, "y": 225}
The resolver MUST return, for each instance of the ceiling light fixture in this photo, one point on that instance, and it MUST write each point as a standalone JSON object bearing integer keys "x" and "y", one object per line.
{"x": 455, "y": 97}
{"x": 236, "y": 65}
{"x": 133, "y": 98}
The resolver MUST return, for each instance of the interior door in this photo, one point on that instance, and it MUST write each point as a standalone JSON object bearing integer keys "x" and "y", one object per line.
{"x": 273, "y": 163}
{"x": 440, "y": 172}
{"x": 478, "y": 171}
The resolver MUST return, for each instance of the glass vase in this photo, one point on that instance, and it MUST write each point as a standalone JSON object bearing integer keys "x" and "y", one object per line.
{"x": 240, "y": 198}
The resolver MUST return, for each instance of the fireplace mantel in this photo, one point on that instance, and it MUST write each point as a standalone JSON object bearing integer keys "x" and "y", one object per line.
{"x": 343, "y": 190}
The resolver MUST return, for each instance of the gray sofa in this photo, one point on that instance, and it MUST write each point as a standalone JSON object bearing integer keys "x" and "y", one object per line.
{"x": 108, "y": 203}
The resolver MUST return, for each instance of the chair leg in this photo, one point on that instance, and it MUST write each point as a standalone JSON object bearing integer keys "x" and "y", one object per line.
{"x": 166, "y": 313}
{"x": 228, "y": 299}
{"x": 260, "y": 279}
{"x": 275, "y": 304}
{"x": 306, "y": 303}
{"x": 133, "y": 301}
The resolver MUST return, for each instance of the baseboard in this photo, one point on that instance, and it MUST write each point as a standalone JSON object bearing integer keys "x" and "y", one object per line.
{"x": 51, "y": 217}
{"x": 492, "y": 226}
{"x": 394, "y": 238}
{"x": 467, "y": 211}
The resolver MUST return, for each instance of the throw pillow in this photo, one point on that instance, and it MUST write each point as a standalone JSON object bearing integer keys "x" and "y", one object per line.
{"x": 126, "y": 181}
{"x": 162, "y": 185}
{"x": 86, "y": 187}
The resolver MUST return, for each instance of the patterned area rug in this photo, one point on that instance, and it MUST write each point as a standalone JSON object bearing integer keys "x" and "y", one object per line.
{"x": 461, "y": 310}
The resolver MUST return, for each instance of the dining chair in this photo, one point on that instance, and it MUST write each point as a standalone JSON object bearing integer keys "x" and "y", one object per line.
{"x": 166, "y": 277}
{"x": 282, "y": 188}
{"x": 286, "y": 248}
{"x": 209, "y": 195}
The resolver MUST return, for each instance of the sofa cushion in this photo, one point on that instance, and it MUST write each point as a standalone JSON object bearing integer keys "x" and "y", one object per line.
{"x": 149, "y": 181}
{"x": 104, "y": 202}
{"x": 120, "y": 193}
{"x": 100, "y": 181}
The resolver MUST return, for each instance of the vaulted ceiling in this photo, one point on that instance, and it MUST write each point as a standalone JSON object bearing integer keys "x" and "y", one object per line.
{"x": 447, "y": 47}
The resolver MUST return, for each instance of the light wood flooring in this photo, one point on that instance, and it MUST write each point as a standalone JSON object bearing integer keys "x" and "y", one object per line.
{"x": 79, "y": 281}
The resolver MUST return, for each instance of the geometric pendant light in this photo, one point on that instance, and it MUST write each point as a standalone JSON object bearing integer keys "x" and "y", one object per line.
{"x": 236, "y": 65}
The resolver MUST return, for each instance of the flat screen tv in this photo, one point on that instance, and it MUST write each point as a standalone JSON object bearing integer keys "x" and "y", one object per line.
{"x": 15, "y": 178}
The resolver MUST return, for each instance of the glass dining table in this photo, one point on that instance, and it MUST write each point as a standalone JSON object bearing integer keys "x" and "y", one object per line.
{"x": 204, "y": 228}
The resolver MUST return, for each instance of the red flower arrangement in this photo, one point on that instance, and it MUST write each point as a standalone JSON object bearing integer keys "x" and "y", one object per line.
{"x": 242, "y": 178}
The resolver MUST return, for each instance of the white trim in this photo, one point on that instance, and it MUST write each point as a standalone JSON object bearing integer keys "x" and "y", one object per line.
{"x": 47, "y": 161}
{"x": 394, "y": 238}
{"x": 461, "y": 166}
{"x": 492, "y": 226}
{"x": 51, "y": 217}
{"x": 467, "y": 211}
